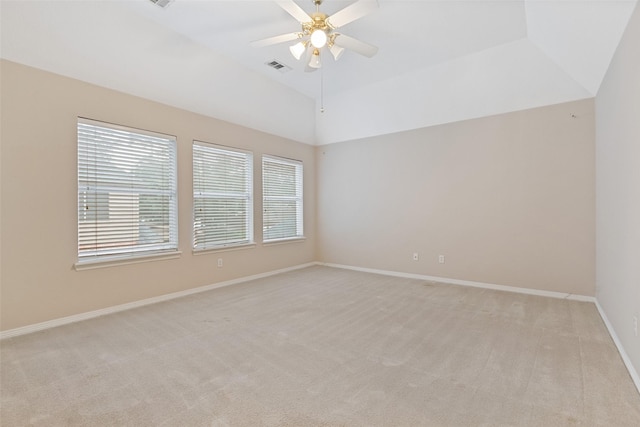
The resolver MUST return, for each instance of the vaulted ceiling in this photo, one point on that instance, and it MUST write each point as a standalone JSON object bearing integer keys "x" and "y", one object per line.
{"x": 439, "y": 61}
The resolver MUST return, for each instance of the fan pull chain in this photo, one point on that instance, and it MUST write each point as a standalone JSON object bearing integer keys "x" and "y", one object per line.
{"x": 322, "y": 89}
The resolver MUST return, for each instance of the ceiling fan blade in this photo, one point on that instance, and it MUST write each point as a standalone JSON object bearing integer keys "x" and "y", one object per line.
{"x": 276, "y": 39}
{"x": 352, "y": 12}
{"x": 356, "y": 45}
{"x": 294, "y": 10}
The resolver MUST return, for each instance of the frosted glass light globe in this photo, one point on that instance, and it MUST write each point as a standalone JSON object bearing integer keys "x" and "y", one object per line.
{"x": 315, "y": 60}
{"x": 318, "y": 38}
{"x": 297, "y": 50}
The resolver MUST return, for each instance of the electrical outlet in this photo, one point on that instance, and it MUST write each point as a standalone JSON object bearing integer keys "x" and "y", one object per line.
{"x": 415, "y": 256}
{"x": 441, "y": 259}
{"x": 219, "y": 262}
{"x": 635, "y": 325}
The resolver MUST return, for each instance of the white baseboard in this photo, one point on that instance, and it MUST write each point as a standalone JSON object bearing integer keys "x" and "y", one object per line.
{"x": 625, "y": 358}
{"x": 492, "y": 286}
{"x": 109, "y": 310}
{"x": 627, "y": 361}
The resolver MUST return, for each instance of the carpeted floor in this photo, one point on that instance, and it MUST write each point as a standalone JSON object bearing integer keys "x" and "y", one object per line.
{"x": 325, "y": 347}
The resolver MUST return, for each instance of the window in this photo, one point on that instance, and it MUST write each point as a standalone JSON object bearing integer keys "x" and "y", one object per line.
{"x": 282, "y": 198}
{"x": 127, "y": 203}
{"x": 222, "y": 196}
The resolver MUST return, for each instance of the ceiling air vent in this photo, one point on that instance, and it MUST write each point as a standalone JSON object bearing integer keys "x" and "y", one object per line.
{"x": 278, "y": 66}
{"x": 161, "y": 3}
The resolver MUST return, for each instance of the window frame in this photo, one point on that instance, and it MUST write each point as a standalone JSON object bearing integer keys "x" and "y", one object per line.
{"x": 298, "y": 198}
{"x": 247, "y": 196}
{"x": 124, "y": 192}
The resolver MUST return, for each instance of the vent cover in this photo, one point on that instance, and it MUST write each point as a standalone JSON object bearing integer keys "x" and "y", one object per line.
{"x": 278, "y": 66}
{"x": 161, "y": 3}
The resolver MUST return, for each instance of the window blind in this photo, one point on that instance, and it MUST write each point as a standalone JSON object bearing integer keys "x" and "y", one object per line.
{"x": 282, "y": 198}
{"x": 222, "y": 196}
{"x": 127, "y": 200}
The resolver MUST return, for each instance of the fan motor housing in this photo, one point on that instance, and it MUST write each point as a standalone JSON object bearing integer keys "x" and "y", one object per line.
{"x": 319, "y": 22}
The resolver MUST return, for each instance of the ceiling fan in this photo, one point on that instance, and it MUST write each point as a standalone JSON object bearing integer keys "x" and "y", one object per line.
{"x": 319, "y": 31}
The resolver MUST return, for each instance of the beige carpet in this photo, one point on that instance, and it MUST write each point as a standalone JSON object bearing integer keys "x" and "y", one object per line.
{"x": 325, "y": 347}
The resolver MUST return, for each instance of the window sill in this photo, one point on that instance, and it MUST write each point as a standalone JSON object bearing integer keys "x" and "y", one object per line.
{"x": 284, "y": 241}
{"x": 116, "y": 261}
{"x": 224, "y": 248}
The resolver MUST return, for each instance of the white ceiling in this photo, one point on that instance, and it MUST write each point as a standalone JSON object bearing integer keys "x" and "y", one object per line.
{"x": 438, "y": 61}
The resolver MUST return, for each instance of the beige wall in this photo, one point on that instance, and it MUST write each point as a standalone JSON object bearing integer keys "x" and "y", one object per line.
{"x": 618, "y": 191}
{"x": 508, "y": 200}
{"x": 38, "y": 205}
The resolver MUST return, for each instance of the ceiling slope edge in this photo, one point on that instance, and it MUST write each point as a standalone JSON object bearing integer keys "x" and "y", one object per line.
{"x": 48, "y": 36}
{"x": 511, "y": 77}
{"x": 580, "y": 36}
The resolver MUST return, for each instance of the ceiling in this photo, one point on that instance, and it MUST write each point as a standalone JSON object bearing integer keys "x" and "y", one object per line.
{"x": 438, "y": 61}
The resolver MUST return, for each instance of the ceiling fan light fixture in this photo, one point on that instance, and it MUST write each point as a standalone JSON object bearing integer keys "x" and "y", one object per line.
{"x": 336, "y": 51}
{"x": 318, "y": 38}
{"x": 315, "y": 59}
{"x": 298, "y": 49}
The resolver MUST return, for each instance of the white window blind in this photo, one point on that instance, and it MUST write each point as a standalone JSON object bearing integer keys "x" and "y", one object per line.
{"x": 222, "y": 196}
{"x": 127, "y": 200}
{"x": 282, "y": 198}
